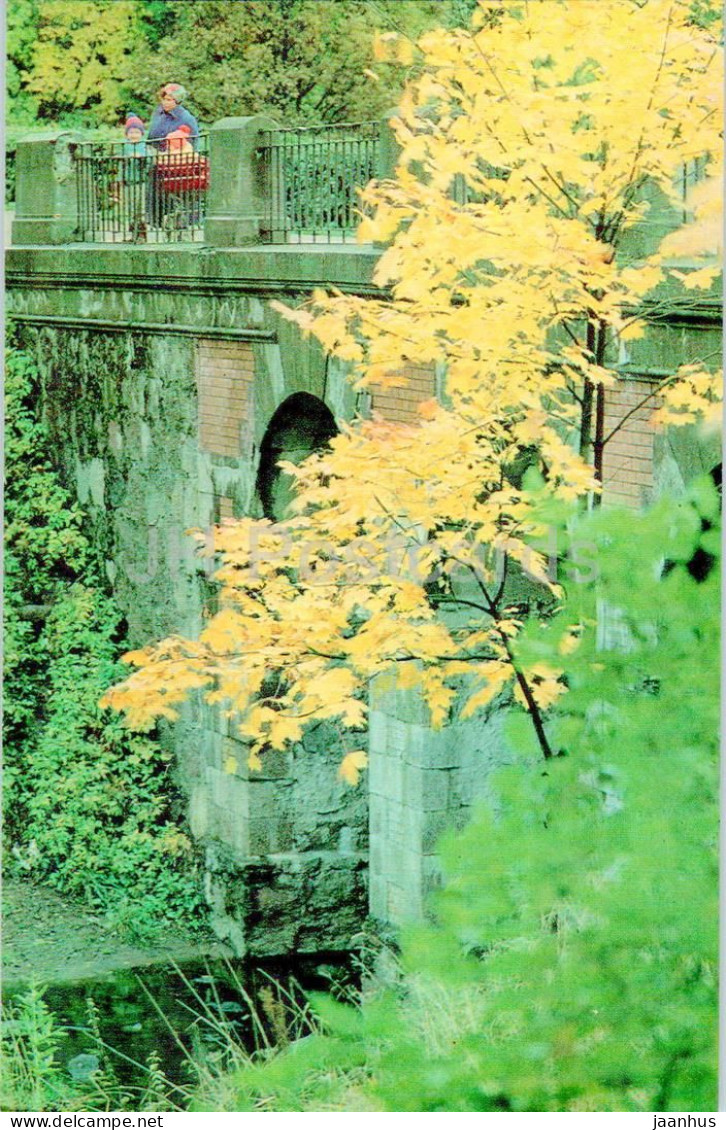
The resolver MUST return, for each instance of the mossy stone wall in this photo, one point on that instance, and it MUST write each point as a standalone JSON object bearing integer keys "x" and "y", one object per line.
{"x": 117, "y": 339}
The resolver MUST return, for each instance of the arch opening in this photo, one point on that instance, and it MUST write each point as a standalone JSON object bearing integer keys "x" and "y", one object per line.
{"x": 301, "y": 425}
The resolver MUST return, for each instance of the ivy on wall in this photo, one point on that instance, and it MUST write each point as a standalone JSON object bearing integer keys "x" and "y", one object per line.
{"x": 91, "y": 807}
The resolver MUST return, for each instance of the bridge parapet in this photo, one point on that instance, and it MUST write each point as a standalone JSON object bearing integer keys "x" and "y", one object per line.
{"x": 247, "y": 182}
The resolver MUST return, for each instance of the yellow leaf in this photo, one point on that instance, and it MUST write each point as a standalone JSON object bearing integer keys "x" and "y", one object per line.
{"x": 701, "y": 279}
{"x": 351, "y": 766}
{"x": 570, "y": 641}
{"x": 404, "y": 51}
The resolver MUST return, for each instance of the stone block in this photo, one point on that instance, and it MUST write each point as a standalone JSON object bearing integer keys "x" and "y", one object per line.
{"x": 433, "y": 826}
{"x": 380, "y": 859}
{"x": 426, "y": 788}
{"x": 378, "y": 730}
{"x": 275, "y": 899}
{"x": 267, "y": 799}
{"x": 276, "y": 764}
{"x": 229, "y": 793}
{"x": 284, "y": 834}
{"x": 386, "y": 776}
{"x": 455, "y": 797}
{"x": 407, "y": 869}
{"x": 377, "y": 815}
{"x": 231, "y": 829}
{"x": 221, "y": 825}
{"x": 46, "y": 189}
{"x": 300, "y": 904}
{"x": 347, "y": 840}
{"x": 199, "y": 811}
{"x": 402, "y": 905}
{"x": 435, "y": 749}
{"x": 211, "y": 745}
{"x": 232, "y": 750}
{"x": 395, "y": 825}
{"x": 377, "y": 896}
{"x": 261, "y": 836}
{"x": 401, "y": 706}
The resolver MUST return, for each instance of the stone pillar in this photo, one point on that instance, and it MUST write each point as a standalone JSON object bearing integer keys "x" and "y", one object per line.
{"x": 239, "y": 181}
{"x": 46, "y": 194}
{"x": 422, "y": 783}
{"x": 388, "y": 154}
{"x": 388, "y": 148}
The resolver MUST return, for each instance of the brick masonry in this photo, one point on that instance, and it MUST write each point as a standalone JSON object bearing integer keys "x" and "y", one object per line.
{"x": 225, "y": 379}
{"x": 399, "y": 402}
{"x": 628, "y": 464}
{"x": 628, "y": 461}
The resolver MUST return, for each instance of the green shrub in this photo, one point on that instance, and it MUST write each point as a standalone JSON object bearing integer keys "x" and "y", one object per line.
{"x": 90, "y": 806}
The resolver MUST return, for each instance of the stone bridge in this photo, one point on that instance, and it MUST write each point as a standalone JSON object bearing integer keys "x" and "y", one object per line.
{"x": 170, "y": 388}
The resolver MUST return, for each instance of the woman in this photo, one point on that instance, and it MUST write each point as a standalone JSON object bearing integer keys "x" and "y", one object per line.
{"x": 170, "y": 114}
{"x": 167, "y": 118}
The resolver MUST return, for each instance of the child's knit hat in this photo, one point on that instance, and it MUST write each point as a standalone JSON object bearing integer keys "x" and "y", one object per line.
{"x": 133, "y": 122}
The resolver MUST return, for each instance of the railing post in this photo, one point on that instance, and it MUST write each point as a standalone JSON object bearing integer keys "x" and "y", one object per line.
{"x": 45, "y": 192}
{"x": 389, "y": 151}
{"x": 388, "y": 148}
{"x": 239, "y": 184}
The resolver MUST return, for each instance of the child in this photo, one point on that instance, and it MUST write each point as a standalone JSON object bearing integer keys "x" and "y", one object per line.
{"x": 177, "y": 145}
{"x": 133, "y": 177}
{"x": 134, "y": 145}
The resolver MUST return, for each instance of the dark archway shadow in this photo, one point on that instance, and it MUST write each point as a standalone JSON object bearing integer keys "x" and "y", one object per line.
{"x": 301, "y": 425}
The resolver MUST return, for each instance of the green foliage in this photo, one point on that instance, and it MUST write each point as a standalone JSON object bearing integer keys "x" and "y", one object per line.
{"x": 90, "y": 61}
{"x": 90, "y": 807}
{"x": 21, "y": 25}
{"x": 29, "y": 1042}
{"x": 158, "y": 18}
{"x": 82, "y": 56}
{"x": 298, "y": 60}
{"x": 572, "y": 961}
{"x": 706, "y": 13}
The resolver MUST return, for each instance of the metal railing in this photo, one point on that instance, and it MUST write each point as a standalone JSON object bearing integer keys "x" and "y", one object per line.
{"x": 141, "y": 193}
{"x": 693, "y": 172}
{"x": 312, "y": 176}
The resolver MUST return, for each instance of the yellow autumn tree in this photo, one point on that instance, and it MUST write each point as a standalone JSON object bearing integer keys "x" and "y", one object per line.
{"x": 531, "y": 144}
{"x": 82, "y": 55}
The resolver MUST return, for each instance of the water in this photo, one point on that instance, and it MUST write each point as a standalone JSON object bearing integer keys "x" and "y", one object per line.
{"x": 181, "y": 1011}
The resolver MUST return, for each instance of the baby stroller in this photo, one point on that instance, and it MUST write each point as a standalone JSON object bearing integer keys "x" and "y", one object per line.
{"x": 180, "y": 182}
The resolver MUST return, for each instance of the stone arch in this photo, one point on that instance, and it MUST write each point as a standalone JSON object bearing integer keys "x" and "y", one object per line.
{"x": 301, "y": 425}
